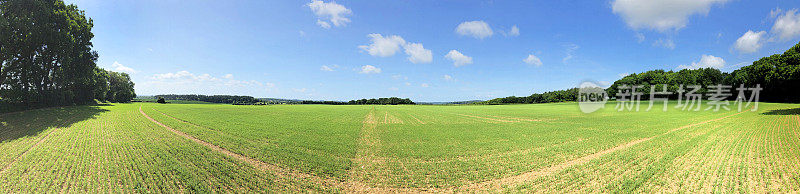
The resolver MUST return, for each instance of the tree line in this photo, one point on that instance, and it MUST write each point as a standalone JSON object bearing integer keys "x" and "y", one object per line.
{"x": 46, "y": 58}
{"x": 778, "y": 75}
{"x": 378, "y": 101}
{"x": 249, "y": 100}
{"x": 223, "y": 99}
{"x": 547, "y": 97}
{"x": 383, "y": 101}
{"x": 674, "y": 80}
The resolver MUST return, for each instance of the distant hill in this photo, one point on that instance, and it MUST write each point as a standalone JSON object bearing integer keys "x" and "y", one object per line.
{"x": 226, "y": 99}
{"x": 456, "y": 102}
{"x": 145, "y": 97}
{"x": 280, "y": 101}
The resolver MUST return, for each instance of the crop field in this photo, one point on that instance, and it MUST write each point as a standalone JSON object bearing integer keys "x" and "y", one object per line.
{"x": 147, "y": 147}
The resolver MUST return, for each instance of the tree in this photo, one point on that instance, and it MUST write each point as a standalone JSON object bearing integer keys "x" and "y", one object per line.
{"x": 46, "y": 55}
{"x": 778, "y": 75}
{"x": 121, "y": 87}
{"x": 161, "y": 100}
{"x": 547, "y": 97}
{"x": 100, "y": 84}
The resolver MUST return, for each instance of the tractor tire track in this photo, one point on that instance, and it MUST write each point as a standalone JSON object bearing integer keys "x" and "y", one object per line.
{"x": 415, "y": 118}
{"x": 496, "y": 184}
{"x": 2, "y": 171}
{"x": 366, "y": 156}
{"x": 487, "y": 119}
{"x": 238, "y": 137}
{"x": 25, "y": 152}
{"x": 515, "y": 118}
{"x": 282, "y": 173}
{"x": 184, "y": 121}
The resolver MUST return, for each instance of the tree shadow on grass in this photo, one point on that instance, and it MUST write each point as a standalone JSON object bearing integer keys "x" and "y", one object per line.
{"x": 791, "y": 111}
{"x": 33, "y": 122}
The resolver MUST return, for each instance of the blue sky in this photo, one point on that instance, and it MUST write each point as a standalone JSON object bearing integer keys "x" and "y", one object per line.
{"x": 424, "y": 50}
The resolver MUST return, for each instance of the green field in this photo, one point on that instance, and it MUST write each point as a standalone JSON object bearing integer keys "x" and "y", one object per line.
{"x": 327, "y": 148}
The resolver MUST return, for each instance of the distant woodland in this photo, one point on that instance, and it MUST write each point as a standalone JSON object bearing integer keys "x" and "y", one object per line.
{"x": 249, "y": 100}
{"x": 778, "y": 75}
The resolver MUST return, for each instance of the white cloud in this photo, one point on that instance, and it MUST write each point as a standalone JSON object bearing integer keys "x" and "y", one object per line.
{"x": 706, "y": 61}
{"x": 184, "y": 82}
{"x": 418, "y": 54}
{"x": 187, "y": 77}
{"x": 533, "y": 60}
{"x": 299, "y": 90}
{"x": 448, "y": 78}
{"x": 328, "y": 68}
{"x": 570, "y": 52}
{"x": 477, "y": 29}
{"x": 206, "y": 77}
{"x": 331, "y": 11}
{"x": 408, "y": 83}
{"x": 323, "y": 24}
{"x": 666, "y": 43}
{"x": 178, "y": 75}
{"x": 122, "y": 68}
{"x": 639, "y": 37}
{"x": 775, "y": 12}
{"x": 661, "y": 15}
{"x": 398, "y": 77}
{"x": 787, "y": 26}
{"x": 369, "y": 69}
{"x": 750, "y": 42}
{"x": 729, "y": 68}
{"x": 383, "y": 46}
{"x": 424, "y": 85}
{"x": 387, "y": 46}
{"x": 621, "y": 75}
{"x": 325, "y": 68}
{"x": 513, "y": 32}
{"x": 458, "y": 58}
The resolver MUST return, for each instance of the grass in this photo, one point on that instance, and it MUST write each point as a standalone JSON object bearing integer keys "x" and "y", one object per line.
{"x": 751, "y": 152}
{"x": 517, "y": 148}
{"x": 318, "y": 139}
{"x": 115, "y": 149}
